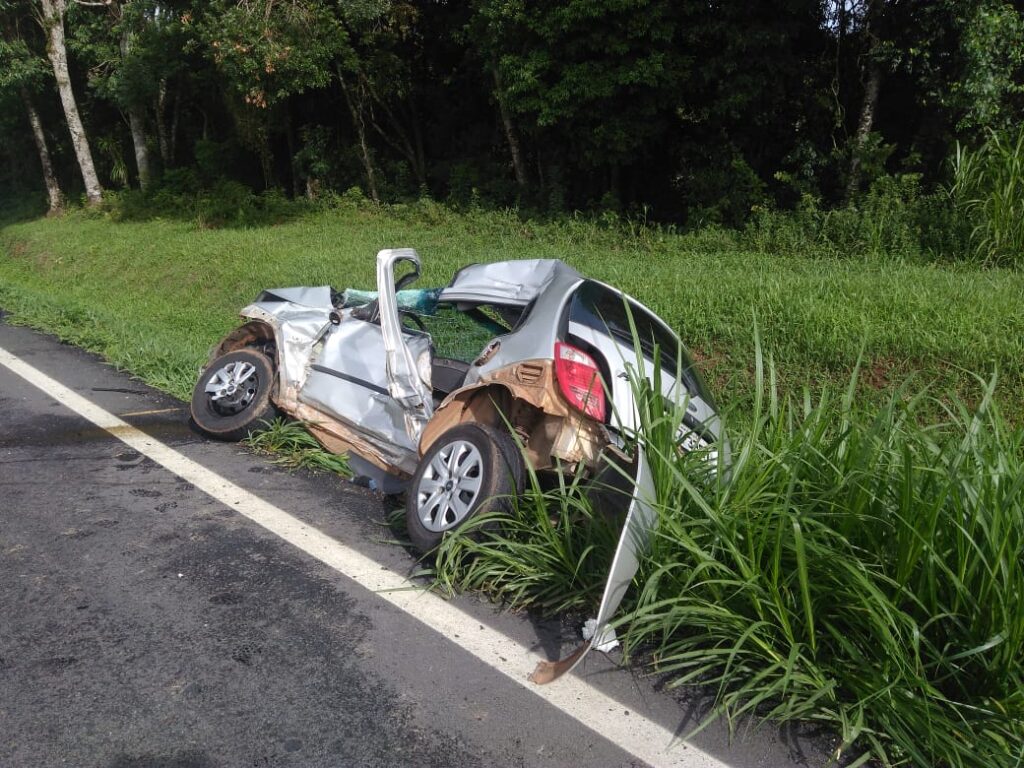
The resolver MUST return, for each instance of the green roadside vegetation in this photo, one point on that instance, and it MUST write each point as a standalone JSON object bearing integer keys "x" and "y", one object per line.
{"x": 294, "y": 447}
{"x": 852, "y": 568}
{"x": 152, "y": 296}
{"x": 860, "y": 566}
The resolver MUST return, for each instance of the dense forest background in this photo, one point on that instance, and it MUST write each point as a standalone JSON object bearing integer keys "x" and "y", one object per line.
{"x": 693, "y": 112}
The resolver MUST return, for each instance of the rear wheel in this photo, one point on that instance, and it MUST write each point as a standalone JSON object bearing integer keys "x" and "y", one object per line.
{"x": 469, "y": 469}
{"x": 232, "y": 397}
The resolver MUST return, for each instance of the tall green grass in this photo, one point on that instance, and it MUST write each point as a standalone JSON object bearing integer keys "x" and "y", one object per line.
{"x": 296, "y": 448}
{"x": 154, "y": 296}
{"x": 850, "y": 568}
{"x": 988, "y": 187}
{"x": 856, "y": 569}
{"x": 895, "y": 219}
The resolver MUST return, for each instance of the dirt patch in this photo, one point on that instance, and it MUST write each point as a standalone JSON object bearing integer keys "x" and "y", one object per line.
{"x": 880, "y": 373}
{"x": 19, "y": 249}
{"x": 706, "y": 358}
{"x": 711, "y": 364}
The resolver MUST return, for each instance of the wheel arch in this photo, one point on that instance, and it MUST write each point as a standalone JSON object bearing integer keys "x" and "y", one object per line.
{"x": 483, "y": 403}
{"x": 253, "y": 333}
{"x": 544, "y": 427}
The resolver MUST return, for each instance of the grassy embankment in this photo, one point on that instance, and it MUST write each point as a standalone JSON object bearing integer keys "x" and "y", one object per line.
{"x": 153, "y": 296}
{"x": 858, "y": 568}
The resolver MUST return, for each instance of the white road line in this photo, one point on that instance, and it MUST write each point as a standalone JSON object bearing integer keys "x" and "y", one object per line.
{"x": 641, "y": 737}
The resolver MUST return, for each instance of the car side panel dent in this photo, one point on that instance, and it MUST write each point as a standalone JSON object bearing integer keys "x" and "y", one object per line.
{"x": 297, "y": 329}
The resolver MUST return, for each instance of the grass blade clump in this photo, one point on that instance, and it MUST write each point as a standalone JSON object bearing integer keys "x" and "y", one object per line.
{"x": 858, "y": 569}
{"x": 550, "y": 552}
{"x": 295, "y": 447}
{"x": 988, "y": 186}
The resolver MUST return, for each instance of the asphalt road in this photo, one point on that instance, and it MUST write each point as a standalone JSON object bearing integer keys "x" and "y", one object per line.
{"x": 143, "y": 623}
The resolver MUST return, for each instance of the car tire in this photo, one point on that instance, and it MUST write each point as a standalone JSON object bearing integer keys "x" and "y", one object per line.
{"x": 471, "y": 468}
{"x": 232, "y": 397}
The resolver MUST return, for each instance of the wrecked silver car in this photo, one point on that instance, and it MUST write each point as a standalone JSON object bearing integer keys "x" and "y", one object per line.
{"x": 447, "y": 393}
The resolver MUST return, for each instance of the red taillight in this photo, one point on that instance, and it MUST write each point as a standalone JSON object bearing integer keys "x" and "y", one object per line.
{"x": 580, "y": 380}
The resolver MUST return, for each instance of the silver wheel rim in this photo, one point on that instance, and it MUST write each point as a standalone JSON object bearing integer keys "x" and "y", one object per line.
{"x": 233, "y": 387}
{"x": 449, "y": 486}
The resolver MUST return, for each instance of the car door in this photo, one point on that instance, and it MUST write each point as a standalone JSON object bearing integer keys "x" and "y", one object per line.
{"x": 369, "y": 372}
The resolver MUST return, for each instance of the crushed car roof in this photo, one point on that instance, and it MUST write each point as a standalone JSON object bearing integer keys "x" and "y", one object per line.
{"x": 505, "y": 282}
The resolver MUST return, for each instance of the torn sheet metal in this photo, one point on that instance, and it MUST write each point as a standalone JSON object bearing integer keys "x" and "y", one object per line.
{"x": 637, "y": 532}
{"x": 406, "y": 383}
{"x": 318, "y": 296}
{"x": 297, "y": 329}
{"x": 529, "y": 401}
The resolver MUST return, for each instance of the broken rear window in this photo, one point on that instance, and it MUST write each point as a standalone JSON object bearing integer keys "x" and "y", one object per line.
{"x": 462, "y": 334}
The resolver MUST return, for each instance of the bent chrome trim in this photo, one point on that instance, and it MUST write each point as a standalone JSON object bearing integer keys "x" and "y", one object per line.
{"x": 351, "y": 379}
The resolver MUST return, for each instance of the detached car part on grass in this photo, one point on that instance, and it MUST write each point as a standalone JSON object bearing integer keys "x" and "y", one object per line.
{"x": 454, "y": 432}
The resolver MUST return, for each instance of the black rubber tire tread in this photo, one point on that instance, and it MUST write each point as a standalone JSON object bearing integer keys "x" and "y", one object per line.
{"x": 236, "y": 427}
{"x": 504, "y": 479}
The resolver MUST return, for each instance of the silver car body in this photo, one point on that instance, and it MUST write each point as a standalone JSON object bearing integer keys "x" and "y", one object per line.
{"x": 363, "y": 382}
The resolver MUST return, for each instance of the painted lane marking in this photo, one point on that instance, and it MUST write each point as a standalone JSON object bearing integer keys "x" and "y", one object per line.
{"x": 600, "y": 713}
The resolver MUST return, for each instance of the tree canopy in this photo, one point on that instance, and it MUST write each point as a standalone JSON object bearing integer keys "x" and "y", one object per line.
{"x": 691, "y": 111}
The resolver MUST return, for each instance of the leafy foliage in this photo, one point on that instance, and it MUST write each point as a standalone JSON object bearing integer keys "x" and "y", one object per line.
{"x": 993, "y": 86}
{"x": 20, "y": 67}
{"x": 988, "y": 187}
{"x": 682, "y": 112}
{"x": 269, "y": 50}
{"x": 894, "y": 219}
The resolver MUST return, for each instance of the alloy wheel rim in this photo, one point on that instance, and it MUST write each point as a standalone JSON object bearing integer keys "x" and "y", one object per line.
{"x": 449, "y": 486}
{"x": 232, "y": 388}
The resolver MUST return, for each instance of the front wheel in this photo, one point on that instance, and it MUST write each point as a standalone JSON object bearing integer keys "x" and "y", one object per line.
{"x": 469, "y": 469}
{"x": 232, "y": 397}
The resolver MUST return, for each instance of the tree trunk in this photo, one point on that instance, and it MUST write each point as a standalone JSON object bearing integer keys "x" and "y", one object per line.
{"x": 137, "y": 123}
{"x": 173, "y": 153}
{"x": 266, "y": 157}
{"x": 872, "y": 86}
{"x": 400, "y": 141}
{"x": 510, "y": 131}
{"x": 864, "y": 126}
{"x": 161, "y": 124}
{"x": 53, "y": 192}
{"x": 359, "y": 121}
{"x": 417, "y": 137}
{"x": 297, "y": 182}
{"x": 53, "y": 20}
